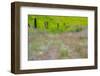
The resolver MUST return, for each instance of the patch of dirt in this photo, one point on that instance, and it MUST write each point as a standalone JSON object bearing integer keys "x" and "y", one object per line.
{"x": 43, "y": 46}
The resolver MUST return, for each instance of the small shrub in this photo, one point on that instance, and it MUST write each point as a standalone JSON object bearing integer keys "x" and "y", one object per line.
{"x": 63, "y": 53}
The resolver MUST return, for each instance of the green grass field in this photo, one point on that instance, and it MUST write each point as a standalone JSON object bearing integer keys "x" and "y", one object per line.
{"x": 57, "y": 37}
{"x": 56, "y": 24}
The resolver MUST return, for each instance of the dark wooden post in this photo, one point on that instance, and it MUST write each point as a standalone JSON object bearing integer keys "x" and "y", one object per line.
{"x": 64, "y": 24}
{"x": 35, "y": 23}
{"x": 29, "y": 25}
{"x": 46, "y": 24}
{"x": 57, "y": 25}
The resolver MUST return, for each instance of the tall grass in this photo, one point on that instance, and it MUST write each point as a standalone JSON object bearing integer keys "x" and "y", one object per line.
{"x": 56, "y": 23}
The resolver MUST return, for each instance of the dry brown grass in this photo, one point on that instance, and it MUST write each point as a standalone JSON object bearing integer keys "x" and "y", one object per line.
{"x": 69, "y": 45}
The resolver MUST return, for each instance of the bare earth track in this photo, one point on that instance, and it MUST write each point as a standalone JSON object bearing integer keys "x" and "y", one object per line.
{"x": 68, "y": 45}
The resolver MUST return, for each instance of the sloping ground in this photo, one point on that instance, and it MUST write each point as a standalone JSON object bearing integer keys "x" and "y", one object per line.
{"x": 68, "y": 45}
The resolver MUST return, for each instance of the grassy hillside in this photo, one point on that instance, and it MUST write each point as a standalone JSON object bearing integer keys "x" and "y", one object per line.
{"x": 56, "y": 23}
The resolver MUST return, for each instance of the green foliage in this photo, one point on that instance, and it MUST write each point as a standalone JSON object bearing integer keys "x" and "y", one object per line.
{"x": 56, "y": 24}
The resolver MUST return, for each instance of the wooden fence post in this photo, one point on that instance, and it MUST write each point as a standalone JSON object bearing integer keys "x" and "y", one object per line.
{"x": 46, "y": 24}
{"x": 35, "y": 23}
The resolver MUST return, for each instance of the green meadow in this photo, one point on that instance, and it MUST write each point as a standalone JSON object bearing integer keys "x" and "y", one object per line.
{"x": 57, "y": 37}
{"x": 54, "y": 24}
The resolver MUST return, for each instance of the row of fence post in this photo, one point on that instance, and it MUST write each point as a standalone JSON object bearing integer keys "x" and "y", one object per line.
{"x": 45, "y": 24}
